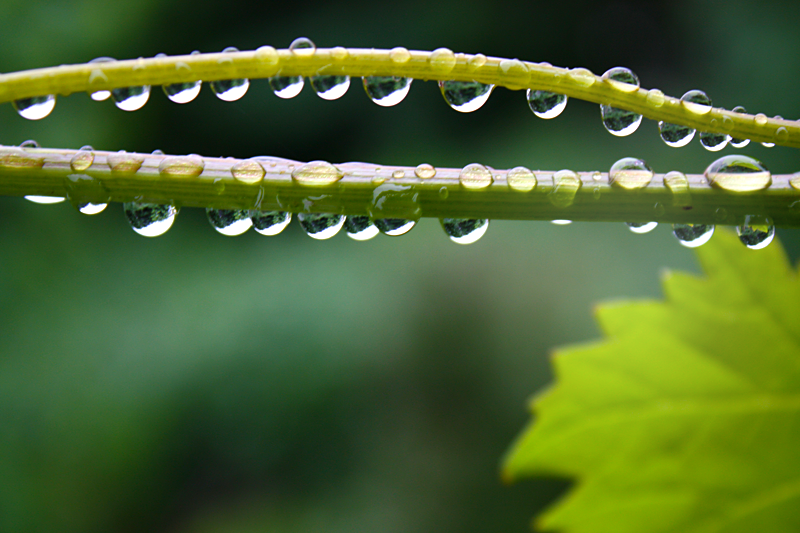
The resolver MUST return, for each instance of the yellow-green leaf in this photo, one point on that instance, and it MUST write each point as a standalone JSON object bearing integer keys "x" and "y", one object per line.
{"x": 686, "y": 418}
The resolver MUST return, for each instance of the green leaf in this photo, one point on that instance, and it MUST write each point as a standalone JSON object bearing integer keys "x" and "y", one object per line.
{"x": 686, "y": 418}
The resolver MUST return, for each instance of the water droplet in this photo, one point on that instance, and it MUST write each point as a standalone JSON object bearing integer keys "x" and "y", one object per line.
{"x": 720, "y": 215}
{"x": 596, "y": 193}
{"x": 675, "y": 135}
{"x": 267, "y": 55}
{"x": 86, "y": 193}
{"x": 16, "y": 158}
{"x": 659, "y": 209}
{"x": 424, "y": 171}
{"x": 619, "y": 122}
{"x": 655, "y": 98}
{"x": 678, "y": 184}
{"x": 464, "y": 230}
{"x": 442, "y": 60}
{"x": 303, "y": 47}
{"x": 131, "y": 98}
{"x": 465, "y": 96}
{"x": 630, "y": 173}
{"x": 184, "y": 166}
{"x": 320, "y": 226}
{"x": 738, "y": 173}
{"x": 444, "y": 193}
{"x": 475, "y": 176}
{"x": 561, "y": 222}
{"x": 100, "y": 96}
{"x": 387, "y": 91}
{"x": 248, "y": 171}
{"x": 693, "y": 235}
{"x": 714, "y": 142}
{"x": 566, "y": 184}
{"x": 36, "y": 107}
{"x": 781, "y": 134}
{"x": 339, "y": 53}
{"x": 157, "y": 152}
{"x": 582, "y": 76}
{"x": 394, "y": 227}
{"x": 622, "y": 79}
{"x": 317, "y": 173}
{"x": 360, "y": 228}
{"x": 641, "y": 227}
{"x": 230, "y": 90}
{"x": 182, "y": 93}
{"x": 399, "y": 55}
{"x": 286, "y": 86}
{"x": 98, "y": 76}
{"x": 30, "y": 143}
{"x": 756, "y": 233}
{"x": 795, "y": 181}
{"x": 92, "y": 209}
{"x": 515, "y": 74}
{"x": 45, "y": 200}
{"x": 330, "y": 87}
{"x": 521, "y": 179}
{"x": 477, "y": 61}
{"x": 82, "y": 160}
{"x": 398, "y": 174}
{"x": 546, "y": 104}
{"x": 761, "y": 119}
{"x": 697, "y": 102}
{"x": 229, "y": 222}
{"x": 124, "y": 163}
{"x": 150, "y": 220}
{"x": 270, "y": 223}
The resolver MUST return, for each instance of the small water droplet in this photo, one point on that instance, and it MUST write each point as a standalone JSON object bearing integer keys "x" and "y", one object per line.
{"x": 229, "y": 222}
{"x": 248, "y": 171}
{"x": 30, "y": 143}
{"x": 619, "y": 122}
{"x": 477, "y": 61}
{"x": 394, "y": 227}
{"x": 360, "y": 228}
{"x": 566, "y": 184}
{"x": 515, "y": 73}
{"x": 720, "y": 215}
{"x": 475, "y": 176}
{"x": 36, "y": 107}
{"x": 157, "y": 152}
{"x": 761, "y": 119}
{"x": 100, "y": 96}
{"x": 655, "y": 98}
{"x": 756, "y": 232}
{"x": 546, "y": 104}
{"x": 630, "y": 173}
{"x": 622, "y": 79}
{"x": 131, "y": 98}
{"x": 738, "y": 173}
{"x": 316, "y": 173}
{"x": 230, "y": 90}
{"x": 696, "y": 102}
{"x": 124, "y": 163}
{"x": 45, "y": 200}
{"x": 182, "y": 93}
{"x": 150, "y": 220}
{"x": 464, "y": 230}
{"x": 561, "y": 222}
{"x": 330, "y": 87}
{"x": 82, "y": 160}
{"x": 465, "y": 96}
{"x": 339, "y": 53}
{"x": 270, "y": 223}
{"x": 267, "y": 55}
{"x": 735, "y": 142}
{"x": 795, "y": 181}
{"x": 320, "y": 226}
{"x": 286, "y": 86}
{"x": 387, "y": 91}
{"x": 424, "y": 171}
{"x": 98, "y": 76}
{"x": 641, "y": 227}
{"x": 714, "y": 142}
{"x": 184, "y": 166}
{"x": 398, "y": 174}
{"x": 442, "y": 60}
{"x": 399, "y": 55}
{"x": 678, "y": 184}
{"x": 92, "y": 209}
{"x": 596, "y": 193}
{"x": 693, "y": 235}
{"x": 659, "y": 209}
{"x": 444, "y": 193}
{"x": 675, "y": 135}
{"x": 378, "y": 179}
{"x": 582, "y": 76}
{"x": 86, "y": 193}
{"x": 781, "y": 134}
{"x": 521, "y": 179}
{"x": 303, "y": 47}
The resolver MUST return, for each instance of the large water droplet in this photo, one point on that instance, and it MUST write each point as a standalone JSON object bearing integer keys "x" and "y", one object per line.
{"x": 521, "y": 179}
{"x": 641, "y": 227}
{"x": 738, "y": 173}
{"x": 675, "y": 135}
{"x": 86, "y": 193}
{"x": 630, "y": 173}
{"x": 82, "y": 160}
{"x": 622, "y": 79}
{"x": 424, "y": 171}
{"x": 693, "y": 235}
{"x": 546, "y": 104}
{"x": 697, "y": 102}
{"x": 229, "y": 222}
{"x": 464, "y": 230}
{"x": 655, "y": 97}
{"x": 270, "y": 223}
{"x": 248, "y": 171}
{"x": 360, "y": 228}
{"x": 330, "y": 87}
{"x": 230, "y": 90}
{"x": 566, "y": 184}
{"x": 131, "y": 98}
{"x": 303, "y": 47}
{"x": 124, "y": 163}
{"x": 92, "y": 209}
{"x": 756, "y": 232}
{"x": 582, "y": 76}
{"x": 320, "y": 226}
{"x": 399, "y": 55}
{"x": 394, "y": 226}
{"x": 150, "y": 220}
{"x": 182, "y": 93}
{"x": 317, "y": 173}
{"x": 735, "y": 142}
{"x": 475, "y": 176}
{"x": 387, "y": 91}
{"x": 189, "y": 166}
{"x": 714, "y": 142}
{"x": 286, "y": 86}
{"x": 678, "y": 184}
{"x": 442, "y": 60}
{"x": 36, "y": 107}
{"x": 465, "y": 96}
{"x": 45, "y": 200}
{"x": 619, "y": 122}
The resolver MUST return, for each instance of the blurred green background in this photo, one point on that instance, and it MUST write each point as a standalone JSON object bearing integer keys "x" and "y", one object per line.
{"x": 200, "y": 383}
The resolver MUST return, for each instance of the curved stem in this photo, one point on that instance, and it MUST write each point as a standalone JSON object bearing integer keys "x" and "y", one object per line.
{"x": 441, "y": 64}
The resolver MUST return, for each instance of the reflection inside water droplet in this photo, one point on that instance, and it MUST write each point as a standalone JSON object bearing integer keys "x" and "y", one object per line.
{"x": 320, "y": 226}
{"x": 394, "y": 226}
{"x": 131, "y": 98}
{"x": 360, "y": 228}
{"x": 229, "y": 222}
{"x": 714, "y": 142}
{"x": 270, "y": 223}
{"x": 330, "y": 87}
{"x": 630, "y": 173}
{"x": 230, "y": 90}
{"x": 387, "y": 91}
{"x": 303, "y": 46}
{"x": 619, "y": 122}
{"x": 756, "y": 232}
{"x": 693, "y": 235}
{"x": 463, "y": 230}
{"x": 465, "y": 96}
{"x": 738, "y": 173}
{"x": 286, "y": 86}
{"x": 182, "y": 93}
{"x": 150, "y": 220}
{"x": 45, "y": 200}
{"x": 641, "y": 227}
{"x": 36, "y": 107}
{"x": 546, "y": 104}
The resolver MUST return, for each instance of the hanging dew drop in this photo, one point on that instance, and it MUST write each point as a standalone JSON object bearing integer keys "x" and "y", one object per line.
{"x": 100, "y": 96}
{"x": 229, "y": 222}
{"x": 92, "y": 209}
{"x": 630, "y": 173}
{"x": 738, "y": 173}
{"x": 697, "y": 102}
{"x": 521, "y": 179}
{"x": 303, "y": 47}
{"x": 641, "y": 227}
{"x": 739, "y": 143}
{"x": 286, "y": 86}
{"x": 394, "y": 227}
{"x": 463, "y": 230}
{"x": 465, "y": 96}
{"x": 150, "y": 220}
{"x": 182, "y": 93}
{"x": 330, "y": 87}
{"x": 230, "y": 90}
{"x": 45, "y": 200}
{"x": 756, "y": 232}
{"x": 619, "y": 122}
{"x": 693, "y": 235}
{"x": 561, "y": 222}
{"x": 546, "y": 104}
{"x": 675, "y": 135}
{"x": 622, "y": 79}
{"x": 36, "y": 107}
{"x": 131, "y": 98}
{"x": 320, "y": 226}
{"x": 387, "y": 91}
{"x": 270, "y": 223}
{"x": 714, "y": 142}
{"x": 360, "y": 228}
{"x": 98, "y": 76}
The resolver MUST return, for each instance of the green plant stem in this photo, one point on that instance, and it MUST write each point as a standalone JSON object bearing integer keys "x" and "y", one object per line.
{"x": 367, "y": 189}
{"x": 440, "y": 64}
